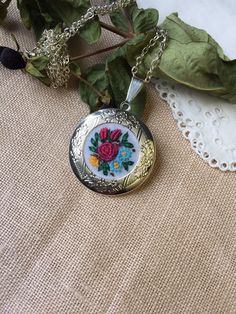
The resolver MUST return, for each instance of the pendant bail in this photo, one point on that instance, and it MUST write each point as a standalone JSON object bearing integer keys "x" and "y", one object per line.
{"x": 135, "y": 87}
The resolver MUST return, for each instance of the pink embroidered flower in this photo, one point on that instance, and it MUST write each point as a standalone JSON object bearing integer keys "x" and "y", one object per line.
{"x": 115, "y": 134}
{"x": 108, "y": 151}
{"x": 104, "y": 133}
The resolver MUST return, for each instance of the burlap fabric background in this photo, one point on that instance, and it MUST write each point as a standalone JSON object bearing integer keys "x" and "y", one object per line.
{"x": 167, "y": 248}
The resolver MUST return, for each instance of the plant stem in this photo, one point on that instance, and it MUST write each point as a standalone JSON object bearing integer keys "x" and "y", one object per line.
{"x": 90, "y": 86}
{"x": 99, "y": 51}
{"x": 116, "y": 30}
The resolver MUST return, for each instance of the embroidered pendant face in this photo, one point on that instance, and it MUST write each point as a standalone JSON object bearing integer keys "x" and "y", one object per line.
{"x": 112, "y": 152}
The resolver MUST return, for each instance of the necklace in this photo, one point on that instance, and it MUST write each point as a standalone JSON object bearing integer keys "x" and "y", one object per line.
{"x": 111, "y": 151}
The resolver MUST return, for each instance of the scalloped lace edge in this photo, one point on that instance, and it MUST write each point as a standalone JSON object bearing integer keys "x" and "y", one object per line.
{"x": 193, "y": 136}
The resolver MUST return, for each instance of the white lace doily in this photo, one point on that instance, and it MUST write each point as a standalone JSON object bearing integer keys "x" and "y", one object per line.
{"x": 209, "y": 123}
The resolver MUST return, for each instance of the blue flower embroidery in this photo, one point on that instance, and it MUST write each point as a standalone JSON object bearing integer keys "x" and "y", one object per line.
{"x": 116, "y": 165}
{"x": 124, "y": 154}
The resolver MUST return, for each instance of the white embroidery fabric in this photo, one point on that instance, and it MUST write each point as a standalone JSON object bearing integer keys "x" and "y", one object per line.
{"x": 209, "y": 123}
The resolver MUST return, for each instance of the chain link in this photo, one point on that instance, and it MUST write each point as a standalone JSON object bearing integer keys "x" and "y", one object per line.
{"x": 53, "y": 45}
{"x": 161, "y": 37}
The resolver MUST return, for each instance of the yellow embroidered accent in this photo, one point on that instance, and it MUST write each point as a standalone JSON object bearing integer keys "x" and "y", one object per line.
{"x": 116, "y": 165}
{"x": 94, "y": 161}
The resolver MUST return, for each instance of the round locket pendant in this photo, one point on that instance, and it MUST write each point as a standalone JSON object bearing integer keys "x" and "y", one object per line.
{"x": 112, "y": 152}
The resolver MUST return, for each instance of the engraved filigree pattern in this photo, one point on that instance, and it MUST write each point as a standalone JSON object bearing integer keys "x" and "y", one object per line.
{"x": 121, "y": 117}
{"x": 101, "y": 185}
{"x": 147, "y": 160}
{"x": 78, "y": 140}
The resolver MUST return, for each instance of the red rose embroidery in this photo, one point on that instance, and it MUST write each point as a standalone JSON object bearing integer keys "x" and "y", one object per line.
{"x": 108, "y": 151}
{"x": 104, "y": 133}
{"x": 115, "y": 134}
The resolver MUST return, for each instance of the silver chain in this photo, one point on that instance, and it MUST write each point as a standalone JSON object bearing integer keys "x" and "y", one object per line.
{"x": 161, "y": 37}
{"x": 53, "y": 45}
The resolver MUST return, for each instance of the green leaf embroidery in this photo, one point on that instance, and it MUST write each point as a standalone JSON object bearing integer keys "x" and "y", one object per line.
{"x": 100, "y": 167}
{"x": 94, "y": 142}
{"x": 105, "y": 168}
{"x": 105, "y": 172}
{"x": 97, "y": 137}
{"x": 93, "y": 149}
{"x": 125, "y": 137}
{"x": 125, "y": 165}
{"x": 129, "y": 145}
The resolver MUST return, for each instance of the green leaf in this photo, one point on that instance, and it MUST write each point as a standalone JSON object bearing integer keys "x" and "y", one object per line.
{"x": 104, "y": 167}
{"x": 133, "y": 19}
{"x": 3, "y": 9}
{"x": 100, "y": 167}
{"x": 129, "y": 145}
{"x": 33, "y": 70}
{"x": 33, "y": 16}
{"x": 39, "y": 62}
{"x": 119, "y": 74}
{"x": 125, "y": 137}
{"x": 94, "y": 142}
{"x": 120, "y": 21}
{"x": 93, "y": 149}
{"x": 125, "y": 165}
{"x": 91, "y": 32}
{"x": 43, "y": 14}
{"x": 130, "y": 163}
{"x": 41, "y": 75}
{"x": 36, "y": 67}
{"x": 191, "y": 58}
{"x": 227, "y": 73}
{"x": 132, "y": 49}
{"x": 97, "y": 78}
{"x": 97, "y": 137}
{"x": 143, "y": 20}
{"x": 70, "y": 11}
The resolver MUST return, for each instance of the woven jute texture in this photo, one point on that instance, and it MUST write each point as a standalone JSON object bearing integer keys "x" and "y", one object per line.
{"x": 167, "y": 248}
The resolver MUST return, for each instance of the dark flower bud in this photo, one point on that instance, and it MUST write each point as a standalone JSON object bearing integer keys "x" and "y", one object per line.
{"x": 11, "y": 59}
